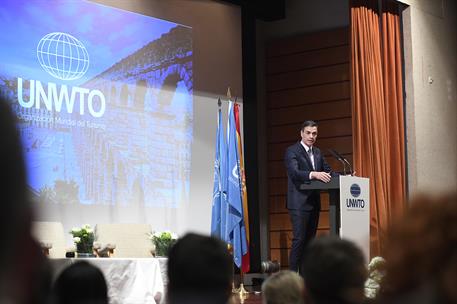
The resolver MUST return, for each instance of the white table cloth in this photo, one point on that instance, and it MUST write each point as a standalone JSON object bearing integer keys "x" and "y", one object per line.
{"x": 130, "y": 281}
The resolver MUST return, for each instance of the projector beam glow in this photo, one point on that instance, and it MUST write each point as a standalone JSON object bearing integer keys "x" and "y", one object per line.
{"x": 53, "y": 96}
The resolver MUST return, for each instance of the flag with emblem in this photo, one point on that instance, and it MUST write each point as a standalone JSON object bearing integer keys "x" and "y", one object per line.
{"x": 235, "y": 233}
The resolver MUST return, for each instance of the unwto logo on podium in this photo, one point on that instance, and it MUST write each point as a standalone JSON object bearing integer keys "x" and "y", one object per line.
{"x": 63, "y": 56}
{"x": 355, "y": 203}
{"x": 355, "y": 190}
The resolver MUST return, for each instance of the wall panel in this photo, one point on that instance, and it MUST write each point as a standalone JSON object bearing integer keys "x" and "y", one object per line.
{"x": 307, "y": 78}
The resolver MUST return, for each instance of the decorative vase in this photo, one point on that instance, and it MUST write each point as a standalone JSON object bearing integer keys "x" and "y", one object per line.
{"x": 162, "y": 250}
{"x": 85, "y": 250}
{"x": 85, "y": 255}
{"x": 162, "y": 247}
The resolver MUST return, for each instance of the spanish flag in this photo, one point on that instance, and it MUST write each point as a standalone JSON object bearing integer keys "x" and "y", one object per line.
{"x": 246, "y": 264}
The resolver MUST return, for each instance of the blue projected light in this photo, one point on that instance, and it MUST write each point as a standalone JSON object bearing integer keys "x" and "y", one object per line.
{"x": 104, "y": 102}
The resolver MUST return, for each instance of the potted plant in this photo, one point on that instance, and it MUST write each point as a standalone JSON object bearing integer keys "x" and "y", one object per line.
{"x": 84, "y": 240}
{"x": 163, "y": 241}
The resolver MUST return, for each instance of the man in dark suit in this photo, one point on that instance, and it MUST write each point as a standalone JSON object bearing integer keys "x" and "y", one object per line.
{"x": 304, "y": 163}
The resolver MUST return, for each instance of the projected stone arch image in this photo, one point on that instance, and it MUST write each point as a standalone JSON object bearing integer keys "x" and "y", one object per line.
{"x": 140, "y": 94}
{"x": 109, "y": 136}
{"x": 137, "y": 192}
{"x": 125, "y": 96}
{"x": 168, "y": 89}
{"x": 108, "y": 179}
{"x": 146, "y": 131}
{"x": 113, "y": 97}
{"x": 120, "y": 197}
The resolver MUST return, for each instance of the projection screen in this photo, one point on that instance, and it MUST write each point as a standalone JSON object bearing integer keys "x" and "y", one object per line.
{"x": 116, "y": 103}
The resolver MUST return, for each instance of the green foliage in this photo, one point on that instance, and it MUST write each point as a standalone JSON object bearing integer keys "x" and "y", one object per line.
{"x": 84, "y": 238}
{"x": 163, "y": 241}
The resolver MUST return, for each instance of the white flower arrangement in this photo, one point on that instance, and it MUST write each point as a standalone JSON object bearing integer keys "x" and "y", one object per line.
{"x": 83, "y": 238}
{"x": 376, "y": 271}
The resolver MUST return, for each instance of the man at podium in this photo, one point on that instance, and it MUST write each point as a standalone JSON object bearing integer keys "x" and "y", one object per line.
{"x": 304, "y": 162}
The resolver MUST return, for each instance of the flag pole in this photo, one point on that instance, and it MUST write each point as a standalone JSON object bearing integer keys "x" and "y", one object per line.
{"x": 234, "y": 192}
{"x": 229, "y": 246}
{"x": 230, "y": 250}
{"x": 241, "y": 290}
{"x": 229, "y": 93}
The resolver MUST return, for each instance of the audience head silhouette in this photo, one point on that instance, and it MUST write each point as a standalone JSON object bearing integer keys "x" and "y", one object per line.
{"x": 15, "y": 209}
{"x": 284, "y": 287}
{"x": 199, "y": 270}
{"x": 421, "y": 253}
{"x": 81, "y": 283}
{"x": 20, "y": 281}
{"x": 334, "y": 271}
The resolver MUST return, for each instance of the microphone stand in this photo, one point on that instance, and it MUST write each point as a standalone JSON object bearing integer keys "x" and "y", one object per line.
{"x": 350, "y": 167}
{"x": 339, "y": 158}
{"x": 346, "y": 161}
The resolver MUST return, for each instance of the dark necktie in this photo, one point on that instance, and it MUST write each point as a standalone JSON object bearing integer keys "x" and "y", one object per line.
{"x": 310, "y": 154}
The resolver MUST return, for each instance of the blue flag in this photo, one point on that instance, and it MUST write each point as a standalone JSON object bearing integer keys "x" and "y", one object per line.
{"x": 235, "y": 233}
{"x": 219, "y": 206}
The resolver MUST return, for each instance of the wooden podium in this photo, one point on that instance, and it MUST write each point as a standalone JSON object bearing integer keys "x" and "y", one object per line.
{"x": 333, "y": 189}
{"x": 349, "y": 208}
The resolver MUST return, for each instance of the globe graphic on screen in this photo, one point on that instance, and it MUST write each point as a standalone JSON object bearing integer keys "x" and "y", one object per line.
{"x": 63, "y": 56}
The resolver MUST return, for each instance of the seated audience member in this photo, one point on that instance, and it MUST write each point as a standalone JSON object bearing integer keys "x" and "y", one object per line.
{"x": 80, "y": 283}
{"x": 334, "y": 271}
{"x": 199, "y": 271}
{"x": 284, "y": 287}
{"x": 421, "y": 255}
{"x": 25, "y": 276}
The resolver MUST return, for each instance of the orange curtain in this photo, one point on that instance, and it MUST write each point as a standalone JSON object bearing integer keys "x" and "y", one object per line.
{"x": 377, "y": 111}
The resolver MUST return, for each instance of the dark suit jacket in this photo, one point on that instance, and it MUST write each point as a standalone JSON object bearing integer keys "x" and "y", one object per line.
{"x": 298, "y": 165}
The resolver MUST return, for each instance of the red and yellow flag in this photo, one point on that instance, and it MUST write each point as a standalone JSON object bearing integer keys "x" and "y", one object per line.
{"x": 246, "y": 264}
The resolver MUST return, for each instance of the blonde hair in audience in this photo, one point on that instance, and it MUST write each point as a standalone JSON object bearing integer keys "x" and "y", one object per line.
{"x": 284, "y": 287}
{"x": 422, "y": 249}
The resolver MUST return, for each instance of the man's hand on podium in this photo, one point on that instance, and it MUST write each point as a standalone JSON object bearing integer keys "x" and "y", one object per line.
{"x": 322, "y": 176}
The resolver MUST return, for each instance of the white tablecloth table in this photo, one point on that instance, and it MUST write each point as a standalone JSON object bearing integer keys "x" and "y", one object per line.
{"x": 130, "y": 281}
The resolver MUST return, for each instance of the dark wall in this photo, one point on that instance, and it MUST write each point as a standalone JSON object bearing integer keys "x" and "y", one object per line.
{"x": 307, "y": 77}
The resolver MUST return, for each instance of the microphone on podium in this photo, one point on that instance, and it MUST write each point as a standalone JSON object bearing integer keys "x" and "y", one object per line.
{"x": 339, "y": 159}
{"x": 343, "y": 160}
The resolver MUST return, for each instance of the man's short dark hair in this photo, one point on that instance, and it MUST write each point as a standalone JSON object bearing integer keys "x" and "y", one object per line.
{"x": 331, "y": 268}
{"x": 81, "y": 282}
{"x": 308, "y": 123}
{"x": 199, "y": 270}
